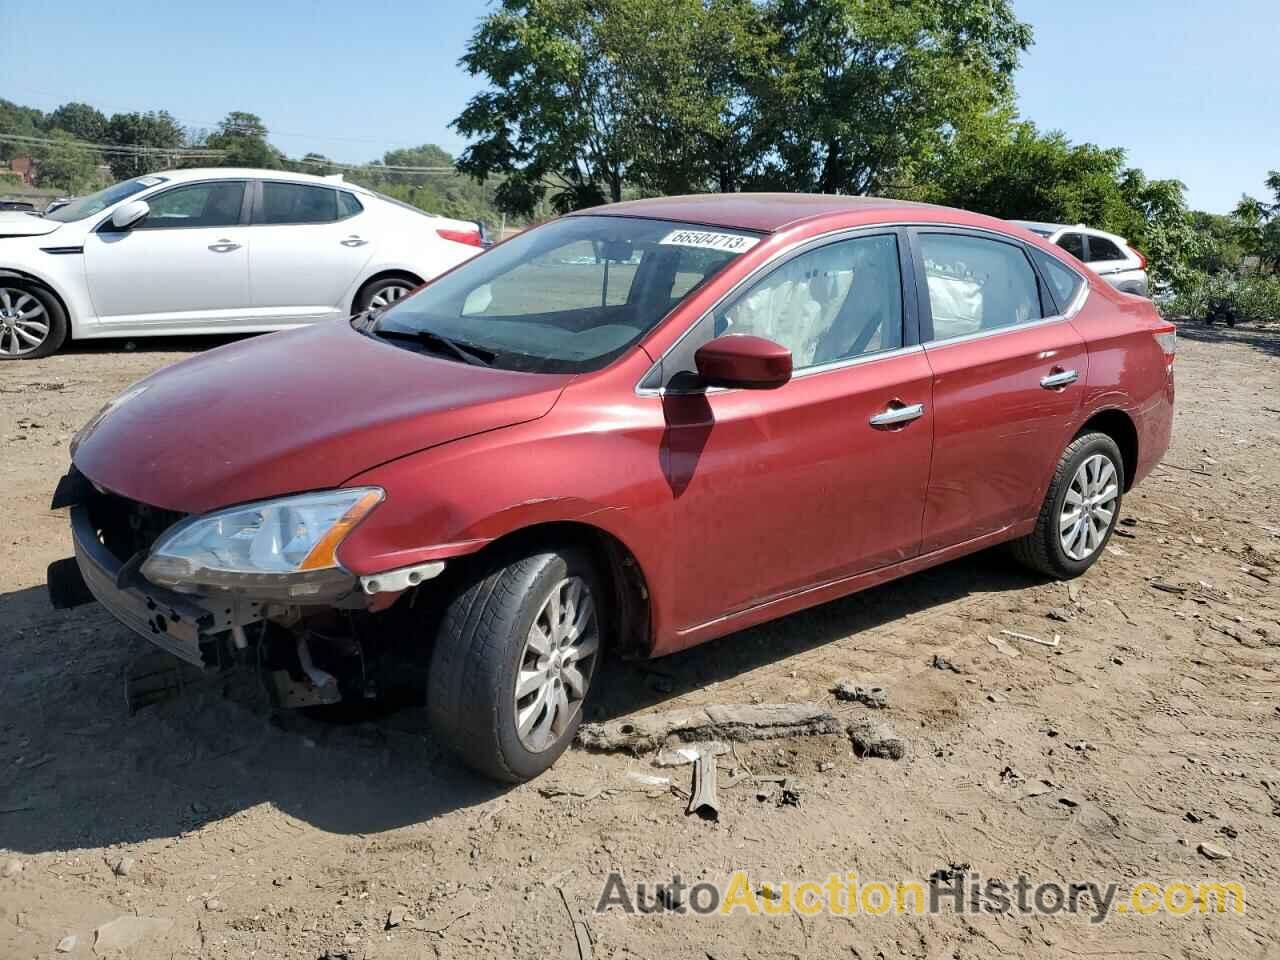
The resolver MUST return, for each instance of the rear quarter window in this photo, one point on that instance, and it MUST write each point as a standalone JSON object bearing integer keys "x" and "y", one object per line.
{"x": 1064, "y": 283}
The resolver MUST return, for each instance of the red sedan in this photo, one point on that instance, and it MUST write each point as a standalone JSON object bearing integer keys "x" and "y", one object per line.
{"x": 638, "y": 427}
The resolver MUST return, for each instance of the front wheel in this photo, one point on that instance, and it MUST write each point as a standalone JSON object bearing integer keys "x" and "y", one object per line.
{"x": 1079, "y": 512}
{"x": 32, "y": 322}
{"x": 513, "y": 662}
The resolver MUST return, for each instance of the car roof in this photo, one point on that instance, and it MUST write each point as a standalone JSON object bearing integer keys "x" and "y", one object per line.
{"x": 236, "y": 173}
{"x": 1036, "y": 225}
{"x": 772, "y": 212}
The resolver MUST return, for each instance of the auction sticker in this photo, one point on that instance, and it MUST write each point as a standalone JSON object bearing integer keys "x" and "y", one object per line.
{"x": 707, "y": 240}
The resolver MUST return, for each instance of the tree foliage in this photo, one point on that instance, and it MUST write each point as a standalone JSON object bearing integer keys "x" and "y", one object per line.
{"x": 588, "y": 96}
{"x": 66, "y": 165}
{"x": 155, "y": 129}
{"x": 242, "y": 137}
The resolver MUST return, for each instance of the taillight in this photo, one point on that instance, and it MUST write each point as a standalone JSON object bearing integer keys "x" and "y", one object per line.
{"x": 471, "y": 238}
{"x": 1168, "y": 340}
{"x": 1142, "y": 261}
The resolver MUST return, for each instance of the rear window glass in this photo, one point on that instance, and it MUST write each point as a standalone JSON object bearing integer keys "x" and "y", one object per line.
{"x": 1101, "y": 248}
{"x": 297, "y": 203}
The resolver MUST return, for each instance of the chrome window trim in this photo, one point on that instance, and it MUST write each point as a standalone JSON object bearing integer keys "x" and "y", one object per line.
{"x": 847, "y": 233}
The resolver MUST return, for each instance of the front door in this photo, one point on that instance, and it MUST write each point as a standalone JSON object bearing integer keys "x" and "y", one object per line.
{"x": 824, "y": 477}
{"x": 185, "y": 263}
{"x": 1008, "y": 375}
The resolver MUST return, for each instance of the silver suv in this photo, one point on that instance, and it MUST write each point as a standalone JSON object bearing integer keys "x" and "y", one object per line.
{"x": 1107, "y": 255}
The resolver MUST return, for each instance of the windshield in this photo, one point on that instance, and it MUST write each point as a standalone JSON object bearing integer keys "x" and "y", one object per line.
{"x": 567, "y": 297}
{"x": 83, "y": 207}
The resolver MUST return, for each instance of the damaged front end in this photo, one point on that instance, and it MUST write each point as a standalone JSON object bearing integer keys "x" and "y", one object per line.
{"x": 258, "y": 584}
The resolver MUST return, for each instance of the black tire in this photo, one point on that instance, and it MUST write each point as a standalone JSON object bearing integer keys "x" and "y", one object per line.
{"x": 388, "y": 289}
{"x": 1042, "y": 549}
{"x": 477, "y": 657}
{"x": 52, "y": 309}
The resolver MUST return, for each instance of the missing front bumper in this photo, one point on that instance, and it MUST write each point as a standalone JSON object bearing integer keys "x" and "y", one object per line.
{"x": 188, "y": 627}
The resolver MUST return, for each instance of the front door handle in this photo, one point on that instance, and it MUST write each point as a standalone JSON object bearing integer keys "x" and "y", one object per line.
{"x": 1059, "y": 378}
{"x": 353, "y": 241}
{"x": 224, "y": 246}
{"x": 901, "y": 413}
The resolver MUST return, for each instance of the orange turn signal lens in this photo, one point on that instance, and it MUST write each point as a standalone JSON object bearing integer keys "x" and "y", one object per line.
{"x": 324, "y": 554}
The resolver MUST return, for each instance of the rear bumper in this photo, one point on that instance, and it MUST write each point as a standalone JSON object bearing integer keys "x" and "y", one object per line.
{"x": 188, "y": 627}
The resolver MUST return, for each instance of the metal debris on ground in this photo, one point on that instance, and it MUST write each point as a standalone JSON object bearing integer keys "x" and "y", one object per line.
{"x": 939, "y": 662}
{"x": 679, "y": 756}
{"x": 743, "y": 722}
{"x": 851, "y": 692}
{"x": 1030, "y": 639}
{"x": 703, "y": 800}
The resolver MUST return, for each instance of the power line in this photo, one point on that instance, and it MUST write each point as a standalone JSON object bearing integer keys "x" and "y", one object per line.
{"x": 206, "y": 153}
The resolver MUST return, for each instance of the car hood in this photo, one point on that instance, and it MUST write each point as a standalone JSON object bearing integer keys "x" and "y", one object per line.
{"x": 302, "y": 410}
{"x": 15, "y": 223}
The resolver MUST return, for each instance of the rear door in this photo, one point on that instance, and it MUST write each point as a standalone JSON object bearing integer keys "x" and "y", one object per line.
{"x": 186, "y": 263}
{"x": 824, "y": 477}
{"x": 1008, "y": 374}
{"x": 310, "y": 243}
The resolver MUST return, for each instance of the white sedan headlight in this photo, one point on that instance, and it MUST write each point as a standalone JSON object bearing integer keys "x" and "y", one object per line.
{"x": 290, "y": 543}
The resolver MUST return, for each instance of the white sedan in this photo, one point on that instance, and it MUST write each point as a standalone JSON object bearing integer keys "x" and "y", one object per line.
{"x": 213, "y": 251}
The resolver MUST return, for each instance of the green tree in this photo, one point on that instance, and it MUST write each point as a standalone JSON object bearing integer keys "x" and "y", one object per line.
{"x": 17, "y": 121}
{"x": 80, "y": 120}
{"x": 242, "y": 138}
{"x": 158, "y": 132}
{"x": 66, "y": 164}
{"x": 1259, "y": 224}
{"x": 550, "y": 118}
{"x": 858, "y": 89}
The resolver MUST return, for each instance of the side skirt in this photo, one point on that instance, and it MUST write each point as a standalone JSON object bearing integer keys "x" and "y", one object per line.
{"x": 823, "y": 592}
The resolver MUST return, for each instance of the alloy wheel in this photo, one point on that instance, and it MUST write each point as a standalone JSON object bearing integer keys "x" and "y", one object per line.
{"x": 24, "y": 324}
{"x": 387, "y": 296}
{"x": 1089, "y": 507}
{"x": 556, "y": 665}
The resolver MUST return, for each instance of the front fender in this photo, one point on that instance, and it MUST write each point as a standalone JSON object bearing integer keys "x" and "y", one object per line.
{"x": 453, "y": 500}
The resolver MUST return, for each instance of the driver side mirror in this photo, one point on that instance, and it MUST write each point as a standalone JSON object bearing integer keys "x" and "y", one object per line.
{"x": 737, "y": 360}
{"x": 129, "y": 214}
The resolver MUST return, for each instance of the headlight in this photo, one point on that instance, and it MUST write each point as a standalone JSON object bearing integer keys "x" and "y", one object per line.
{"x": 287, "y": 546}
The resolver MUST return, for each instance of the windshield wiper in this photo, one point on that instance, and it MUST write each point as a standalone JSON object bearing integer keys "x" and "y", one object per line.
{"x": 467, "y": 354}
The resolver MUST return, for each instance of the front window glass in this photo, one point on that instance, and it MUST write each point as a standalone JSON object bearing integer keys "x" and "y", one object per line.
{"x": 214, "y": 204}
{"x": 83, "y": 207}
{"x": 569, "y": 296}
{"x": 976, "y": 285}
{"x": 840, "y": 301}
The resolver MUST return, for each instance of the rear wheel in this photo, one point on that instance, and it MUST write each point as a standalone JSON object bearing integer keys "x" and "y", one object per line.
{"x": 32, "y": 322}
{"x": 1080, "y": 509}
{"x": 513, "y": 663}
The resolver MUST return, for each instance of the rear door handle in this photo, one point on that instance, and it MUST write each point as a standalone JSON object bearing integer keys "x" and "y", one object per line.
{"x": 902, "y": 413}
{"x": 353, "y": 241}
{"x": 1058, "y": 379}
{"x": 224, "y": 246}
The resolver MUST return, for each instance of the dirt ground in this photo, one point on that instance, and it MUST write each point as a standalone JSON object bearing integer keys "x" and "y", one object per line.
{"x": 1150, "y": 730}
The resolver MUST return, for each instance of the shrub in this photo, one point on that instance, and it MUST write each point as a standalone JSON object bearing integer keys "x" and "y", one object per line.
{"x": 1253, "y": 297}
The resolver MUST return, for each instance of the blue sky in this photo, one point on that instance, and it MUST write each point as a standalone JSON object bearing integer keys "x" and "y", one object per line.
{"x": 1191, "y": 88}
